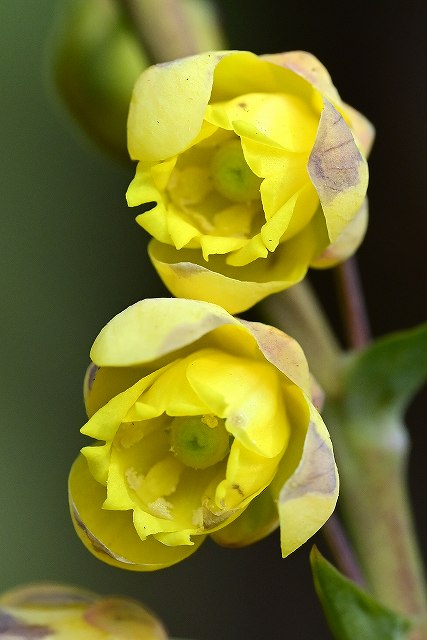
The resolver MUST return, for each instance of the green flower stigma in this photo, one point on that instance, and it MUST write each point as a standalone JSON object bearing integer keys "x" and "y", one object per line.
{"x": 231, "y": 174}
{"x": 199, "y": 441}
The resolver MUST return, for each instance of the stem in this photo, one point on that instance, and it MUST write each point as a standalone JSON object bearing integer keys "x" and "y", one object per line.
{"x": 374, "y": 497}
{"x": 343, "y": 553}
{"x": 164, "y": 28}
{"x": 352, "y": 301}
{"x": 372, "y": 458}
{"x": 375, "y": 505}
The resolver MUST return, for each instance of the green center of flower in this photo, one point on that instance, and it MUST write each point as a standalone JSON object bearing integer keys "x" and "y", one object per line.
{"x": 199, "y": 441}
{"x": 231, "y": 174}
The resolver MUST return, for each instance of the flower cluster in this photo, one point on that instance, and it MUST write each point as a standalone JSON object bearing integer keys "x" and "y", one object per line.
{"x": 203, "y": 426}
{"x": 250, "y": 170}
{"x": 254, "y": 170}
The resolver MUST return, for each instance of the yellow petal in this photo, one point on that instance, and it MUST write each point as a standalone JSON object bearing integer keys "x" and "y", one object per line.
{"x": 284, "y": 118}
{"x": 186, "y": 275}
{"x": 364, "y": 131}
{"x": 247, "y": 475}
{"x": 173, "y": 395}
{"x": 242, "y": 72}
{"x": 105, "y": 422}
{"x": 251, "y": 251}
{"x": 249, "y": 393}
{"x": 283, "y": 352}
{"x": 338, "y": 171}
{"x": 347, "y": 242}
{"x": 111, "y": 535}
{"x": 132, "y": 337}
{"x": 109, "y": 382}
{"x": 308, "y": 67}
{"x": 98, "y": 459}
{"x": 168, "y": 104}
{"x": 216, "y": 245}
{"x": 291, "y": 218}
{"x": 307, "y": 499}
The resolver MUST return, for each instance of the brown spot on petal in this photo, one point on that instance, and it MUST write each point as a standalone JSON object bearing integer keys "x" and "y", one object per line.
{"x": 282, "y": 351}
{"x": 315, "y": 473}
{"x": 334, "y": 161}
{"x": 238, "y": 488}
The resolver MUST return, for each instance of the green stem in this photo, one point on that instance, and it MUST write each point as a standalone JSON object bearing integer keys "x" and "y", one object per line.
{"x": 375, "y": 506}
{"x": 372, "y": 458}
{"x": 163, "y": 27}
{"x": 373, "y": 462}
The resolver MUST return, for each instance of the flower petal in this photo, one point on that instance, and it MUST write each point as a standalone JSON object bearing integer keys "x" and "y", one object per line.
{"x": 105, "y": 422}
{"x": 132, "y": 337}
{"x": 186, "y": 275}
{"x": 247, "y": 394}
{"x": 110, "y": 535}
{"x": 284, "y": 118}
{"x": 363, "y": 129}
{"x": 347, "y": 242}
{"x": 159, "y": 128}
{"x": 338, "y": 171}
{"x": 308, "y": 497}
{"x": 283, "y": 352}
{"x": 247, "y": 475}
{"x": 306, "y": 66}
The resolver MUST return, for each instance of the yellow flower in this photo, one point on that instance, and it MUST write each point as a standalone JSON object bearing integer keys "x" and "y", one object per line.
{"x": 254, "y": 170}
{"x": 61, "y": 612}
{"x": 204, "y": 425}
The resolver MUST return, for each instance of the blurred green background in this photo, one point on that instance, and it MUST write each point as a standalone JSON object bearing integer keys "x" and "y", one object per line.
{"x": 72, "y": 256}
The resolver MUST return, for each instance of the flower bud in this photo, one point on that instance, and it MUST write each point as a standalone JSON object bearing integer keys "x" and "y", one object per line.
{"x": 49, "y": 610}
{"x": 97, "y": 59}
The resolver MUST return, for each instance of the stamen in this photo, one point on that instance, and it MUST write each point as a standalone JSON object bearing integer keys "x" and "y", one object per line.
{"x": 231, "y": 174}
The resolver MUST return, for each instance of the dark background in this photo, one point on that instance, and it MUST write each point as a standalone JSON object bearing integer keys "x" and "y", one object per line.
{"x": 71, "y": 257}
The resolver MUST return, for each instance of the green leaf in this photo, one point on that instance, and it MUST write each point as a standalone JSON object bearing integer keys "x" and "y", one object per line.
{"x": 350, "y": 612}
{"x": 385, "y": 376}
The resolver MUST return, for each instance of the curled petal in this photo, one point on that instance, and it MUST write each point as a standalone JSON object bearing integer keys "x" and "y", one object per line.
{"x": 110, "y": 535}
{"x": 158, "y": 129}
{"x": 282, "y": 351}
{"x": 307, "y": 499}
{"x": 178, "y": 323}
{"x": 364, "y": 130}
{"x": 308, "y": 67}
{"x": 347, "y": 242}
{"x": 337, "y": 170}
{"x": 235, "y": 289}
